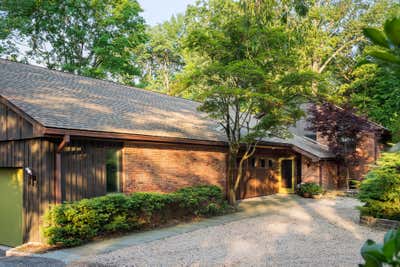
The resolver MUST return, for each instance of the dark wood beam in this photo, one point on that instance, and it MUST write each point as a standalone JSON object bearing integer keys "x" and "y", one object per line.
{"x": 57, "y": 176}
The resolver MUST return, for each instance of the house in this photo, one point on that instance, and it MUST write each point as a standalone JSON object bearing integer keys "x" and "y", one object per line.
{"x": 64, "y": 137}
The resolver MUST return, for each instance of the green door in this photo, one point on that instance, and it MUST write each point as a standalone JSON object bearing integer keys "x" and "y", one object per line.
{"x": 11, "y": 189}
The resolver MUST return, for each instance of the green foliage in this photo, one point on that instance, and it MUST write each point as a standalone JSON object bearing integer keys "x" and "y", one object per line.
{"x": 162, "y": 56}
{"x": 369, "y": 84}
{"x": 239, "y": 76}
{"x": 72, "y": 224}
{"x": 354, "y": 184}
{"x": 90, "y": 38}
{"x": 380, "y": 191}
{"x": 310, "y": 188}
{"x": 368, "y": 91}
{"x": 387, "y": 42}
{"x": 386, "y": 254}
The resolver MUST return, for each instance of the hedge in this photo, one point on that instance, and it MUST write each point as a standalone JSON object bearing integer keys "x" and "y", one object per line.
{"x": 72, "y": 224}
{"x": 380, "y": 191}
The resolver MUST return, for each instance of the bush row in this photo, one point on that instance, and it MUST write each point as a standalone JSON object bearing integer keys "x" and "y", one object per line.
{"x": 380, "y": 191}
{"x": 72, "y": 224}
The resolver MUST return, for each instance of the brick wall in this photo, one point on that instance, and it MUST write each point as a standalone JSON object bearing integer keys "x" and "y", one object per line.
{"x": 166, "y": 168}
{"x": 368, "y": 152}
{"x": 329, "y": 173}
{"x": 368, "y": 149}
{"x": 310, "y": 171}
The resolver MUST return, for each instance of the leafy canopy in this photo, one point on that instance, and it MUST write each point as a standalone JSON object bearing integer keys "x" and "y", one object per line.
{"x": 90, "y": 38}
{"x": 162, "y": 56}
{"x": 244, "y": 60}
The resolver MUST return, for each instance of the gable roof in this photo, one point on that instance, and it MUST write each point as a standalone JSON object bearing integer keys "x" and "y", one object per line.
{"x": 65, "y": 101}
{"x": 62, "y": 100}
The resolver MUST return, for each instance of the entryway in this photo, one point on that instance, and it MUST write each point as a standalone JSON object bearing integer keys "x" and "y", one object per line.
{"x": 286, "y": 179}
{"x": 11, "y": 196}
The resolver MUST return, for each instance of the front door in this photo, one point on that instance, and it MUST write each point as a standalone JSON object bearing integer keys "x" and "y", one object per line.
{"x": 11, "y": 191}
{"x": 287, "y": 177}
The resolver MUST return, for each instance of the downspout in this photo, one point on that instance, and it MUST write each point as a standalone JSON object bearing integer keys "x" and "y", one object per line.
{"x": 57, "y": 181}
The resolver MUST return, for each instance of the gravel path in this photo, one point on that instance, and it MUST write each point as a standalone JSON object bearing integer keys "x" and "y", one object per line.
{"x": 287, "y": 231}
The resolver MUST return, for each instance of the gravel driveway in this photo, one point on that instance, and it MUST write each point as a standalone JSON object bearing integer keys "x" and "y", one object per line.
{"x": 279, "y": 231}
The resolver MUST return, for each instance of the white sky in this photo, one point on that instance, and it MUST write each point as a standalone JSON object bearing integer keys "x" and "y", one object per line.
{"x": 158, "y": 11}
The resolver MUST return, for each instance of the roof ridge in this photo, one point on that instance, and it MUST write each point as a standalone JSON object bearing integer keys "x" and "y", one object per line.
{"x": 101, "y": 80}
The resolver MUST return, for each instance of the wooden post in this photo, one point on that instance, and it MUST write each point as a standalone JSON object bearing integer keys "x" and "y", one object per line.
{"x": 57, "y": 182}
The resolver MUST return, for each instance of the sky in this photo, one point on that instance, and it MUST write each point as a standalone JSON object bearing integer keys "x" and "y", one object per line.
{"x": 158, "y": 11}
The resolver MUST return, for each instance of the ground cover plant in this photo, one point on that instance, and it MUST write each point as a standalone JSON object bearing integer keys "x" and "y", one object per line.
{"x": 72, "y": 224}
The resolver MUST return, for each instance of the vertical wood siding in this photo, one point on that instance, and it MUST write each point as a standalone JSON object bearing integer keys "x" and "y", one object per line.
{"x": 83, "y": 169}
{"x": 38, "y": 155}
{"x": 13, "y": 126}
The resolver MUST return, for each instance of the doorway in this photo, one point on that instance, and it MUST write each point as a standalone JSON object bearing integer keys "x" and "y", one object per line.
{"x": 286, "y": 180}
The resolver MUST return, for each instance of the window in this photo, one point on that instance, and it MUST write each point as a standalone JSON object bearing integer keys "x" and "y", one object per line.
{"x": 270, "y": 163}
{"x": 253, "y": 162}
{"x": 311, "y": 135}
{"x": 262, "y": 163}
{"x": 113, "y": 170}
{"x": 349, "y": 144}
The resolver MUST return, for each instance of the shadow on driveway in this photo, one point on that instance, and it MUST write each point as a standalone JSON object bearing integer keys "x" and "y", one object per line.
{"x": 29, "y": 262}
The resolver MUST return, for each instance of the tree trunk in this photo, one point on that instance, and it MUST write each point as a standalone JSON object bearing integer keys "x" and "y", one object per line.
{"x": 231, "y": 176}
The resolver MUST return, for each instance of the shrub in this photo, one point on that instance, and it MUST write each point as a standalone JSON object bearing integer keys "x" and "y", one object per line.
{"x": 380, "y": 191}
{"x": 309, "y": 188}
{"x": 72, "y": 224}
{"x": 354, "y": 184}
{"x": 386, "y": 254}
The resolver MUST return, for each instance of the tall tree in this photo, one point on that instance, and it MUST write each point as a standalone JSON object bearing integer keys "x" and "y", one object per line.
{"x": 375, "y": 91}
{"x": 162, "y": 56}
{"x": 330, "y": 37}
{"x": 91, "y": 38}
{"x": 240, "y": 78}
{"x": 374, "y": 86}
{"x": 342, "y": 130}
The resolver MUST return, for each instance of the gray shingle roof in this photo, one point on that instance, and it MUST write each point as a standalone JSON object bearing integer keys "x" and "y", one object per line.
{"x": 61, "y": 100}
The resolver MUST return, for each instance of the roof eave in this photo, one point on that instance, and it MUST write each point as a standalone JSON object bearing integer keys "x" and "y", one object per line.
{"x": 57, "y": 132}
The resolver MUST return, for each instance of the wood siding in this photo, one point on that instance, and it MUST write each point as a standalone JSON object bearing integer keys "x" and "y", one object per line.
{"x": 261, "y": 181}
{"x": 38, "y": 155}
{"x": 83, "y": 169}
{"x": 13, "y": 126}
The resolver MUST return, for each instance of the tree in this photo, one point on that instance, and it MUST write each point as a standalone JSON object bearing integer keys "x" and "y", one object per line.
{"x": 387, "y": 42}
{"x": 329, "y": 38}
{"x": 375, "y": 91}
{"x": 342, "y": 130}
{"x": 240, "y": 78}
{"x": 90, "y": 38}
{"x": 162, "y": 56}
{"x": 377, "y": 72}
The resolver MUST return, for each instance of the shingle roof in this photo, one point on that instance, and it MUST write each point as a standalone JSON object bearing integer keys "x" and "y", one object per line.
{"x": 61, "y": 100}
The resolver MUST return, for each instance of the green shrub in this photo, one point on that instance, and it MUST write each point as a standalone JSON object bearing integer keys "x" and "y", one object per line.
{"x": 309, "y": 188}
{"x": 380, "y": 191}
{"x": 72, "y": 224}
{"x": 386, "y": 254}
{"x": 354, "y": 184}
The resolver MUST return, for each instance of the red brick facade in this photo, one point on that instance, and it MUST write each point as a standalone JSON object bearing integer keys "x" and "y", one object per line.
{"x": 166, "y": 168}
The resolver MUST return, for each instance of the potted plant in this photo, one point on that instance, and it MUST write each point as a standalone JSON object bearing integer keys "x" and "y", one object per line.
{"x": 310, "y": 190}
